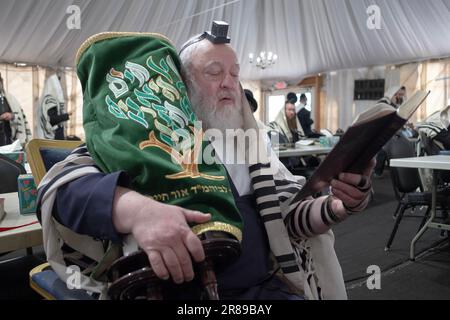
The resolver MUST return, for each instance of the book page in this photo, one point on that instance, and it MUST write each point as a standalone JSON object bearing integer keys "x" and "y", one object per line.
{"x": 407, "y": 109}
{"x": 377, "y": 111}
{"x": 381, "y": 109}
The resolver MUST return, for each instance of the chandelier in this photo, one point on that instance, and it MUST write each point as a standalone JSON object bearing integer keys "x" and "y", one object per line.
{"x": 264, "y": 59}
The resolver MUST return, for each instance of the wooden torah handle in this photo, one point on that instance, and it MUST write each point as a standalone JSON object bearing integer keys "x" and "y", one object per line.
{"x": 132, "y": 277}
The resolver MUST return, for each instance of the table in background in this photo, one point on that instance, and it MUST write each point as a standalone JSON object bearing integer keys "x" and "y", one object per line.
{"x": 435, "y": 163}
{"x": 27, "y": 236}
{"x": 303, "y": 151}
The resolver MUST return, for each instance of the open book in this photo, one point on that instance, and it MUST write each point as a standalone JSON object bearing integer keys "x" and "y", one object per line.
{"x": 361, "y": 142}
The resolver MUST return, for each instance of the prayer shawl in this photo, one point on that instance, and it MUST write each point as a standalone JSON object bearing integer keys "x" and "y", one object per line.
{"x": 55, "y": 235}
{"x": 302, "y": 245}
{"x": 280, "y": 124}
{"x": 435, "y": 124}
{"x": 52, "y": 97}
{"x": 388, "y": 95}
{"x": 20, "y": 129}
{"x": 309, "y": 263}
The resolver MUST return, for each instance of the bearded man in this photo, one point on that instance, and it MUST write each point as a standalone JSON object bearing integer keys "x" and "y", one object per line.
{"x": 287, "y": 245}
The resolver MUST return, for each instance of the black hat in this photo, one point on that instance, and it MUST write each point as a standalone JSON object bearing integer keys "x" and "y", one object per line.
{"x": 292, "y": 97}
{"x": 251, "y": 101}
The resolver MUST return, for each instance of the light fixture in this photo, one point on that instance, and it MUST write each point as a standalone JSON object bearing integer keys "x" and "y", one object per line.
{"x": 264, "y": 59}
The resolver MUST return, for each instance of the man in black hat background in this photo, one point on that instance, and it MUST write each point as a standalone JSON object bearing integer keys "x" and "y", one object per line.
{"x": 304, "y": 117}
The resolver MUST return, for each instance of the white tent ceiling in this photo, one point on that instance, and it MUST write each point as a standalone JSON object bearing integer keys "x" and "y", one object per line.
{"x": 309, "y": 36}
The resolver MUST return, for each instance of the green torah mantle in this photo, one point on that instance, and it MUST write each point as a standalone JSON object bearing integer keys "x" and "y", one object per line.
{"x": 138, "y": 119}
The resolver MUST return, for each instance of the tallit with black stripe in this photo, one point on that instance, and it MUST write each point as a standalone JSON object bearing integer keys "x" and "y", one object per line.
{"x": 307, "y": 260}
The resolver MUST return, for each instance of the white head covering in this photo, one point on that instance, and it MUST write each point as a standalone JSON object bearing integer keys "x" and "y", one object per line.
{"x": 51, "y": 96}
{"x": 390, "y": 93}
{"x": 445, "y": 115}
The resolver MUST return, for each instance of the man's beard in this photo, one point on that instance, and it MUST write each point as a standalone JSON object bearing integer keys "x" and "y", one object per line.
{"x": 212, "y": 115}
{"x": 292, "y": 124}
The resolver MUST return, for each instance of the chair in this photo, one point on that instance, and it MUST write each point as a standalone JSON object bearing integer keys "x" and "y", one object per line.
{"x": 42, "y": 155}
{"x": 9, "y": 171}
{"x": 406, "y": 182}
{"x": 131, "y": 275}
{"x": 46, "y": 283}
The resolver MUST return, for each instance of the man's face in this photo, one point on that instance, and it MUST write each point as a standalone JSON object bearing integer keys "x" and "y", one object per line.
{"x": 290, "y": 110}
{"x": 399, "y": 96}
{"x": 304, "y": 101}
{"x": 214, "y": 86}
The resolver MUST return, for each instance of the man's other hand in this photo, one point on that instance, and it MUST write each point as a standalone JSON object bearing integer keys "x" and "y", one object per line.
{"x": 7, "y": 116}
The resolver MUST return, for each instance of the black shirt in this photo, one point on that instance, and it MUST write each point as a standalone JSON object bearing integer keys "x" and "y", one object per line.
{"x": 5, "y": 126}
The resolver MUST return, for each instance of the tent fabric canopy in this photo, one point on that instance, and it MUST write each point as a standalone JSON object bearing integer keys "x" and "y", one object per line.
{"x": 309, "y": 36}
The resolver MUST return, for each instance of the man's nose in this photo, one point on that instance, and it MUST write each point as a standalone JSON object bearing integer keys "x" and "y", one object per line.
{"x": 228, "y": 82}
